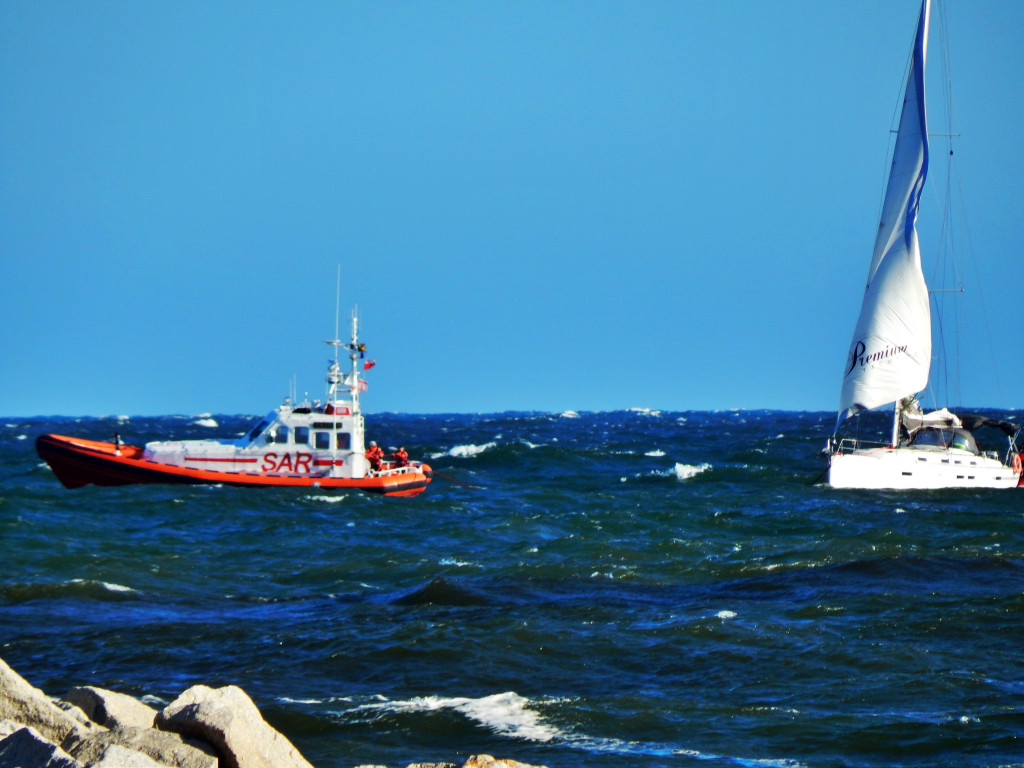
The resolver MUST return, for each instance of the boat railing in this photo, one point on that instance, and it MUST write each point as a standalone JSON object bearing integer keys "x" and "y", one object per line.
{"x": 851, "y": 444}
{"x": 388, "y": 471}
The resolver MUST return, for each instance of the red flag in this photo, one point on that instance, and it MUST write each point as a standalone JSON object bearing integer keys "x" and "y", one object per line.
{"x": 369, "y": 364}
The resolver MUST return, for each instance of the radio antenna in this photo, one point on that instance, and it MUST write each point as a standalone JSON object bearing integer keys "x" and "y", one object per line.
{"x": 337, "y": 303}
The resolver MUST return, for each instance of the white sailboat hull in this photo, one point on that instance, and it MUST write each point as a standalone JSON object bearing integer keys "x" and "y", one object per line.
{"x": 910, "y": 468}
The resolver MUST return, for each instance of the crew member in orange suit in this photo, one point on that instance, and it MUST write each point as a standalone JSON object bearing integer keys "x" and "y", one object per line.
{"x": 374, "y": 455}
{"x": 401, "y": 457}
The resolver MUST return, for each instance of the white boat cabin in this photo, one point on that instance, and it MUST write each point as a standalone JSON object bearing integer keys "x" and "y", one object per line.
{"x": 303, "y": 440}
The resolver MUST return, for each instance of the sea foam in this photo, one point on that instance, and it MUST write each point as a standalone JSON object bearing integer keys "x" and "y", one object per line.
{"x": 327, "y": 499}
{"x": 679, "y": 472}
{"x": 110, "y": 587}
{"x": 465, "y": 451}
{"x": 507, "y": 714}
{"x": 686, "y": 471}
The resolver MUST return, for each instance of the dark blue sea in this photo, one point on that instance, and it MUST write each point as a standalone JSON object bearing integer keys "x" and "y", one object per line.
{"x": 617, "y": 589}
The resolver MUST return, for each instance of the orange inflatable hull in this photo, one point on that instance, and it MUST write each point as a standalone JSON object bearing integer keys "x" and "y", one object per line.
{"x": 77, "y": 462}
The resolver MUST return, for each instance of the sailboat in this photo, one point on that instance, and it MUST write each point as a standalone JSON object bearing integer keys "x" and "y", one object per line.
{"x": 890, "y": 355}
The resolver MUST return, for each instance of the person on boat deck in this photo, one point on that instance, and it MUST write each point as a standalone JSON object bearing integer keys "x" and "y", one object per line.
{"x": 374, "y": 455}
{"x": 959, "y": 441}
{"x": 401, "y": 458}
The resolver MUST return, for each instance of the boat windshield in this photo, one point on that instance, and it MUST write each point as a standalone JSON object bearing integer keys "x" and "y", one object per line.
{"x": 945, "y": 438}
{"x": 257, "y": 430}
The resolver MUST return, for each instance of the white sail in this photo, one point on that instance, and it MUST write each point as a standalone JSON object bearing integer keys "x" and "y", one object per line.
{"x": 891, "y": 350}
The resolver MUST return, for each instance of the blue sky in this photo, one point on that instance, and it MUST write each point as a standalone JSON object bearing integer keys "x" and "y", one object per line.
{"x": 535, "y": 205}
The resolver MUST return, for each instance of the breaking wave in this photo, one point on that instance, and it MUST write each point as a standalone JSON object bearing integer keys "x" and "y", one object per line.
{"x": 465, "y": 451}
{"x": 687, "y": 471}
{"x": 506, "y": 714}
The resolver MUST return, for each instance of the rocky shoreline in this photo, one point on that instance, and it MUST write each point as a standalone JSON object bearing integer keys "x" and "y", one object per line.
{"x": 203, "y": 728}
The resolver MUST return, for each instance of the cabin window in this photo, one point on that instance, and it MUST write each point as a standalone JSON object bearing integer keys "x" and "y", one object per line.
{"x": 279, "y": 435}
{"x": 322, "y": 440}
{"x": 960, "y": 441}
{"x": 257, "y": 429}
{"x": 302, "y": 435}
{"x": 344, "y": 441}
{"x": 935, "y": 437}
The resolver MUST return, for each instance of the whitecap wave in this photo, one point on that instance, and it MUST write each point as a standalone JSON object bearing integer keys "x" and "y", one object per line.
{"x": 569, "y": 415}
{"x": 105, "y": 584}
{"x": 327, "y": 499}
{"x": 507, "y": 714}
{"x": 687, "y": 471}
{"x": 465, "y": 451}
{"x": 656, "y": 452}
{"x": 678, "y": 472}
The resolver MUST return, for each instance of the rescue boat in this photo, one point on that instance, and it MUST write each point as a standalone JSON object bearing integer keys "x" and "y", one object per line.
{"x": 313, "y": 444}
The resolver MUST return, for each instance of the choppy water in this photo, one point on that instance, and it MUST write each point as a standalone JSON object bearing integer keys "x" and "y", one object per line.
{"x": 620, "y": 589}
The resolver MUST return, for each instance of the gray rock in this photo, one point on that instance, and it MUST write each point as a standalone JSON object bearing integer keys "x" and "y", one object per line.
{"x": 75, "y": 714}
{"x": 24, "y": 704}
{"x": 164, "y": 748}
{"x": 26, "y": 748}
{"x": 231, "y": 723}
{"x": 113, "y": 710}
{"x": 116, "y": 756}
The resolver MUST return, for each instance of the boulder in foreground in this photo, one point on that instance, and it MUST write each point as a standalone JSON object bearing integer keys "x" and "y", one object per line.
{"x": 23, "y": 704}
{"x": 203, "y": 728}
{"x": 227, "y": 719}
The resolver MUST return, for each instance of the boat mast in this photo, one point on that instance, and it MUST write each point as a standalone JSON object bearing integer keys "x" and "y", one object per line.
{"x": 334, "y": 377}
{"x": 355, "y": 350}
{"x": 897, "y": 414}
